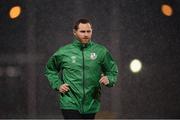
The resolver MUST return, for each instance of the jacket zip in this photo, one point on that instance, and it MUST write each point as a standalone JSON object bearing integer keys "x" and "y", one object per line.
{"x": 83, "y": 80}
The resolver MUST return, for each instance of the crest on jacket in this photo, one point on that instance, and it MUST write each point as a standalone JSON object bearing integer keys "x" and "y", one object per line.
{"x": 93, "y": 56}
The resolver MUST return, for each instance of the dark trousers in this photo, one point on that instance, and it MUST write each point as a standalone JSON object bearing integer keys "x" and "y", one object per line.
{"x": 74, "y": 114}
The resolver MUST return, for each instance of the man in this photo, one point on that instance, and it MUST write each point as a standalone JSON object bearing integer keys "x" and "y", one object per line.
{"x": 77, "y": 71}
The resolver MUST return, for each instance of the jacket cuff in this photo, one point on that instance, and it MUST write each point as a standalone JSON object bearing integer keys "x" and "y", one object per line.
{"x": 111, "y": 81}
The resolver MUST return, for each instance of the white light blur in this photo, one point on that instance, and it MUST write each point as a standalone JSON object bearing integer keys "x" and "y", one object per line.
{"x": 135, "y": 66}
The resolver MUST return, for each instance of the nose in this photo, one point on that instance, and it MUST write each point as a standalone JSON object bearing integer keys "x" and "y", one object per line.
{"x": 86, "y": 34}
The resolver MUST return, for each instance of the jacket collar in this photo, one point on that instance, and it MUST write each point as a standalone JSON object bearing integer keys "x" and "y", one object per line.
{"x": 77, "y": 43}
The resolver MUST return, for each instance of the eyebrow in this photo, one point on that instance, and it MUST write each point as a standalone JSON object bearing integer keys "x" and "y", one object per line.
{"x": 85, "y": 31}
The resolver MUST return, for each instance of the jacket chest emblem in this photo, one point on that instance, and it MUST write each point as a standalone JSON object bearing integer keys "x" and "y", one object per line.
{"x": 93, "y": 56}
{"x": 73, "y": 58}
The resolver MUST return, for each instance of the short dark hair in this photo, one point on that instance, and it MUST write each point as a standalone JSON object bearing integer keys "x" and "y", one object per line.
{"x": 82, "y": 20}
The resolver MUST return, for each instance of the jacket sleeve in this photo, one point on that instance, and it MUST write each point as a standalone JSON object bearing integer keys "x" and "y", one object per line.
{"x": 52, "y": 70}
{"x": 110, "y": 69}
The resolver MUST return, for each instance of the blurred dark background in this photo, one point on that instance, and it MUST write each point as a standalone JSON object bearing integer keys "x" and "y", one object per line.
{"x": 128, "y": 28}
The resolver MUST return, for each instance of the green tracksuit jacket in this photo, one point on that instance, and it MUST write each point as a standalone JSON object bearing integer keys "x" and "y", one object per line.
{"x": 81, "y": 67}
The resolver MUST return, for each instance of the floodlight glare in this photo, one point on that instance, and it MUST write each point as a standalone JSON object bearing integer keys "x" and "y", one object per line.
{"x": 135, "y": 66}
{"x": 15, "y": 12}
{"x": 167, "y": 10}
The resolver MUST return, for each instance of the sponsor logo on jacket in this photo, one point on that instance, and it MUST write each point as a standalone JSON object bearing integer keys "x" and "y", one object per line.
{"x": 73, "y": 58}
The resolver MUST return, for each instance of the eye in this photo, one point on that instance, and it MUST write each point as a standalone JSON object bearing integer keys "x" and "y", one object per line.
{"x": 82, "y": 31}
{"x": 89, "y": 31}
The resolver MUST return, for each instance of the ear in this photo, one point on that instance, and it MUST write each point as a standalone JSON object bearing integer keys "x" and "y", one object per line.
{"x": 74, "y": 31}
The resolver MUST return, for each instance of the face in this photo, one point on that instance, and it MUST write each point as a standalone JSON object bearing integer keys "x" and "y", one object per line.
{"x": 83, "y": 33}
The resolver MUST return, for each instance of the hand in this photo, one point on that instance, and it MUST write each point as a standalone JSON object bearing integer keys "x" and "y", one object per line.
{"x": 104, "y": 80}
{"x": 64, "y": 88}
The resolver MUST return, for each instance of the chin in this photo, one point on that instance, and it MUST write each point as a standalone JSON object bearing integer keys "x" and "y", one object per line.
{"x": 85, "y": 41}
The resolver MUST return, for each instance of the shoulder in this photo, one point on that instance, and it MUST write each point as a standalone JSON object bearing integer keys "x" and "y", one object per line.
{"x": 63, "y": 49}
{"x": 99, "y": 46}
